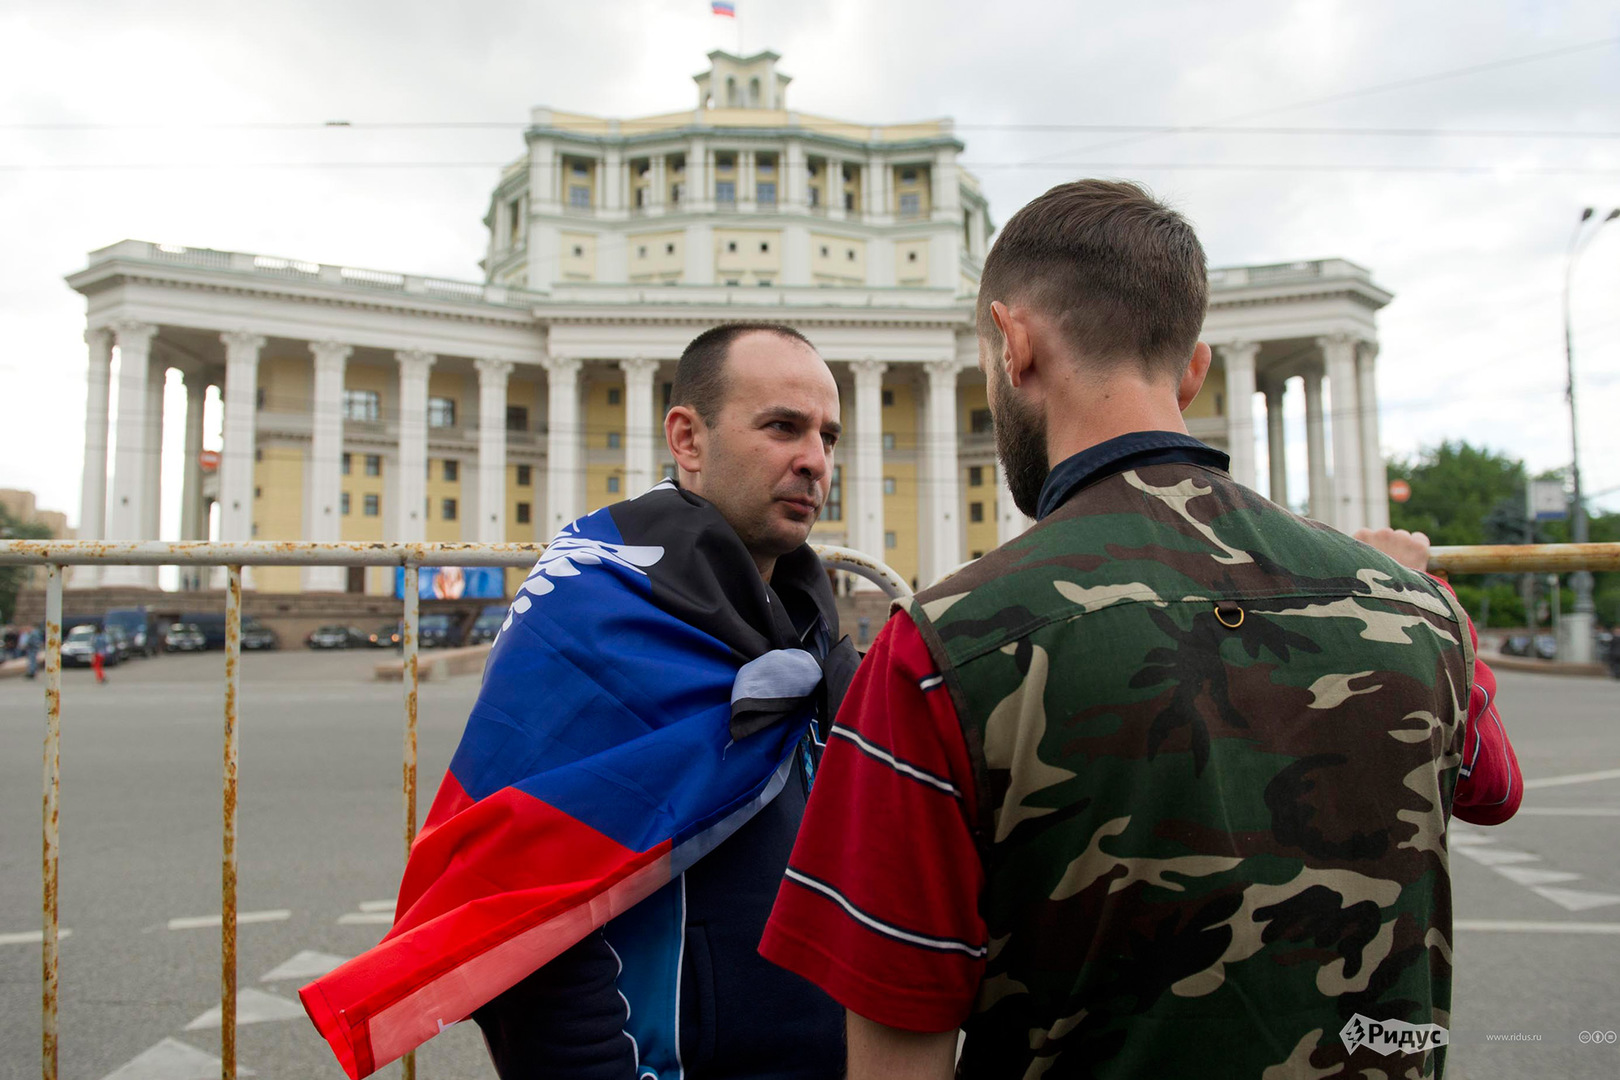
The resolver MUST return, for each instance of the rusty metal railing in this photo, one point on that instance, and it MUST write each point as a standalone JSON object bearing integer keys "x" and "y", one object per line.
{"x": 56, "y": 555}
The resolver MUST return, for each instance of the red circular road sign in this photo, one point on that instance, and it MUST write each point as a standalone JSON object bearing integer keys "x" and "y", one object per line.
{"x": 209, "y": 460}
{"x": 1400, "y": 490}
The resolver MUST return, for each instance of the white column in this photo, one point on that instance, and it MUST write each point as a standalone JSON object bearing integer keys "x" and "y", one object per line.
{"x": 492, "y": 378}
{"x": 698, "y": 197}
{"x": 93, "y": 487}
{"x": 1276, "y": 441}
{"x": 867, "y": 525}
{"x": 947, "y": 188}
{"x": 1373, "y": 468}
{"x": 563, "y": 463}
{"x": 1321, "y": 494}
{"x": 834, "y": 187}
{"x": 238, "y": 456}
{"x": 872, "y": 204}
{"x": 640, "y": 424}
{"x": 943, "y": 476}
{"x": 193, "y": 514}
{"x": 127, "y": 521}
{"x": 410, "y": 502}
{"x": 613, "y": 187}
{"x": 1239, "y": 360}
{"x": 1350, "y": 502}
{"x": 658, "y": 196}
{"x": 745, "y": 180}
{"x": 794, "y": 192}
{"x": 156, "y": 373}
{"x": 324, "y": 505}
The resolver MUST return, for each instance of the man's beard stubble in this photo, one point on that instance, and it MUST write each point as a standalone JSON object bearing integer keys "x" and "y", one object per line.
{"x": 1020, "y": 445}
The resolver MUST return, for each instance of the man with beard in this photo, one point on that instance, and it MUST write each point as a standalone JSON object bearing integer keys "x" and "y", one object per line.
{"x": 1159, "y": 788}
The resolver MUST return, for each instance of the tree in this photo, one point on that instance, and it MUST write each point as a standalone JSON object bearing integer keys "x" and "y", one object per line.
{"x": 13, "y": 578}
{"x": 1461, "y": 494}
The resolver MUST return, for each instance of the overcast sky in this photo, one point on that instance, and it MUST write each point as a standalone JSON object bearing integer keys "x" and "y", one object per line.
{"x": 1469, "y": 233}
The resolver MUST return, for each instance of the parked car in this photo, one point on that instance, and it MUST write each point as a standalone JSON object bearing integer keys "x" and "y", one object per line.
{"x": 121, "y": 641}
{"x": 256, "y": 635}
{"x": 139, "y": 625}
{"x": 1541, "y": 646}
{"x": 80, "y": 645}
{"x": 185, "y": 637}
{"x": 335, "y": 637}
{"x": 210, "y": 625}
{"x": 437, "y": 631}
{"x": 387, "y": 636}
{"x": 487, "y": 625}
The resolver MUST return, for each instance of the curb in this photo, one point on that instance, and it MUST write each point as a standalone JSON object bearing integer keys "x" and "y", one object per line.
{"x": 437, "y": 665}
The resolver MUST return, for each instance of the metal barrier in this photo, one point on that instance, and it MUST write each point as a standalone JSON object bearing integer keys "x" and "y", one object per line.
{"x": 56, "y": 555}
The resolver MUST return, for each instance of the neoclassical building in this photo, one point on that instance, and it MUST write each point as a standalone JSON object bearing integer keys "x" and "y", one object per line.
{"x": 368, "y": 405}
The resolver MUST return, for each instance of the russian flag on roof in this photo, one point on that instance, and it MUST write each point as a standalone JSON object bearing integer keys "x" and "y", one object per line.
{"x": 724, "y": 7}
{"x": 598, "y": 763}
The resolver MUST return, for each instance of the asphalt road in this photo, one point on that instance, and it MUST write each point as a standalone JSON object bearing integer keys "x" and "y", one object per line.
{"x": 321, "y": 852}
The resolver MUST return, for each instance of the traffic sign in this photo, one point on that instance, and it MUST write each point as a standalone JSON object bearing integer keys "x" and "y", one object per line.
{"x": 1547, "y": 501}
{"x": 1400, "y": 490}
{"x": 209, "y": 460}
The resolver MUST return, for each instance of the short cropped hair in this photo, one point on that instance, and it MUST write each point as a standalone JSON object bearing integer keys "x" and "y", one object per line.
{"x": 1122, "y": 273}
{"x": 700, "y": 376}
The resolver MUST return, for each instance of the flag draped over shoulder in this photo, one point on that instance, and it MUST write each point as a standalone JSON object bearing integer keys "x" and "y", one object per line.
{"x": 641, "y": 702}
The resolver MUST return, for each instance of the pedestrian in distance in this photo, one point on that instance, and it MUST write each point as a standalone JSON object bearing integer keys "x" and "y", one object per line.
{"x": 592, "y": 880}
{"x": 30, "y": 648}
{"x": 1159, "y": 788}
{"x": 98, "y": 651}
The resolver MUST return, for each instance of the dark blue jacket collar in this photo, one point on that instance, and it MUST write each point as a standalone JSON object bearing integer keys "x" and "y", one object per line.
{"x": 1131, "y": 451}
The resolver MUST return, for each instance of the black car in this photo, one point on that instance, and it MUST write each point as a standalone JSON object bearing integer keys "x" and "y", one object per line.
{"x": 185, "y": 637}
{"x": 335, "y": 637}
{"x": 387, "y": 636}
{"x": 255, "y": 635}
{"x": 438, "y": 631}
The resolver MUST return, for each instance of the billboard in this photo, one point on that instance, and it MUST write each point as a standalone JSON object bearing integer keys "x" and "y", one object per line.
{"x": 454, "y": 583}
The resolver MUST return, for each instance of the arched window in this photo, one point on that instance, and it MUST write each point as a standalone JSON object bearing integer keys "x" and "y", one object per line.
{"x": 753, "y": 91}
{"x": 731, "y": 91}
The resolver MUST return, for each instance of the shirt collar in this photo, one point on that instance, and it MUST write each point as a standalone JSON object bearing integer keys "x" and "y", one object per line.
{"x": 1123, "y": 452}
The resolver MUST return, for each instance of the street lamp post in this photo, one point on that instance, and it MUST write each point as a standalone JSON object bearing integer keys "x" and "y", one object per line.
{"x": 1577, "y": 638}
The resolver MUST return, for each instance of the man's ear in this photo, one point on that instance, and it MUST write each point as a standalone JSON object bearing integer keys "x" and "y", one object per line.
{"x": 1017, "y": 353}
{"x": 1192, "y": 380}
{"x": 686, "y": 434}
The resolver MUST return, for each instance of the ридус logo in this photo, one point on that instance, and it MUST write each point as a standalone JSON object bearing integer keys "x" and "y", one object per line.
{"x": 1392, "y": 1036}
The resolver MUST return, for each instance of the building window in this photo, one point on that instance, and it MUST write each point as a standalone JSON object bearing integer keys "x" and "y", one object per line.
{"x": 613, "y": 397}
{"x": 888, "y": 440}
{"x": 579, "y": 198}
{"x": 517, "y": 418}
{"x": 343, "y": 503}
{"x": 373, "y": 464}
{"x": 975, "y": 476}
{"x": 448, "y": 506}
{"x": 669, "y": 390}
{"x": 911, "y": 256}
{"x": 258, "y": 397}
{"x": 733, "y": 281}
{"x": 765, "y": 192}
{"x": 725, "y": 161}
{"x": 362, "y": 405}
{"x": 258, "y": 453}
{"x": 373, "y": 505}
{"x": 452, "y": 470}
{"x": 910, "y": 204}
{"x": 441, "y": 412}
{"x": 890, "y": 541}
{"x": 731, "y": 247}
{"x": 888, "y": 398}
{"x": 850, "y": 254}
{"x": 525, "y": 475}
{"x": 614, "y": 441}
{"x": 514, "y": 220}
{"x": 669, "y": 249}
{"x": 613, "y": 485}
{"x": 979, "y": 422}
{"x": 976, "y": 555}
{"x": 815, "y": 200}
{"x": 889, "y": 486}
{"x": 849, "y": 201}
{"x": 346, "y": 464}
{"x": 765, "y": 281}
{"x": 255, "y": 530}
{"x": 834, "y": 508}
{"x": 725, "y": 191}
{"x": 579, "y": 168}
{"x": 258, "y": 492}
{"x": 675, "y": 193}
{"x": 976, "y": 512}
{"x": 823, "y": 246}
{"x": 641, "y": 251}
{"x": 522, "y": 513}
{"x": 579, "y": 252}
{"x": 908, "y": 176}
{"x": 765, "y": 246}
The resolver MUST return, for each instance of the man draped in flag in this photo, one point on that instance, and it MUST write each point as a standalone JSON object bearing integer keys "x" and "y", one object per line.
{"x": 595, "y": 873}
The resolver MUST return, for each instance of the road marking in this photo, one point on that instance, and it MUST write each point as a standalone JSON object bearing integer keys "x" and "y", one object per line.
{"x": 172, "y": 1059}
{"x": 1573, "y": 778}
{"x": 30, "y": 937}
{"x": 1570, "y": 811}
{"x": 252, "y": 1007}
{"x": 1512, "y": 926}
{"x": 367, "y": 918}
{"x": 377, "y": 905}
{"x": 202, "y": 922}
{"x": 1575, "y": 900}
{"x": 303, "y": 965}
{"x": 1532, "y": 875}
{"x": 1497, "y": 856}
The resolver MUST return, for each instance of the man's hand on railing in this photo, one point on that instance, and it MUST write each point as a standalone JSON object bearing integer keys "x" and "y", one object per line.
{"x": 1407, "y": 548}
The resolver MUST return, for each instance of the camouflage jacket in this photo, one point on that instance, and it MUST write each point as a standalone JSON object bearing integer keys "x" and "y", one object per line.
{"x": 1215, "y": 746}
